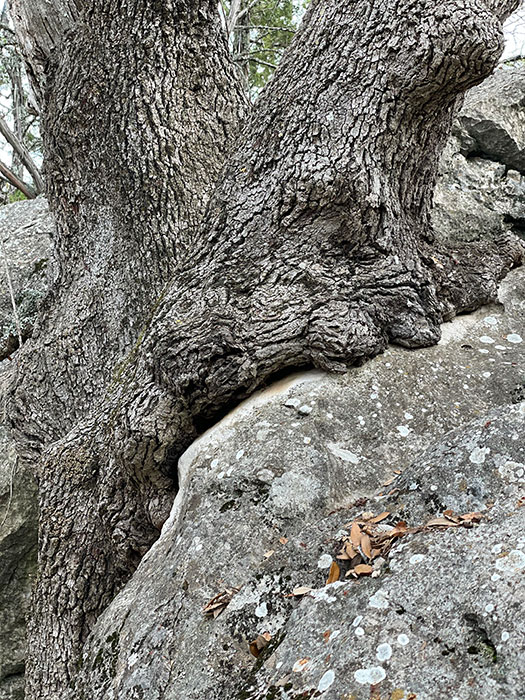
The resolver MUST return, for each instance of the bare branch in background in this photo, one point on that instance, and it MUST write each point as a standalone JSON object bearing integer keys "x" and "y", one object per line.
{"x": 16, "y": 182}
{"x": 24, "y": 155}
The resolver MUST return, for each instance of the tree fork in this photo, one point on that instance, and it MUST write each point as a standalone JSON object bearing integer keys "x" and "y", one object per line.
{"x": 316, "y": 249}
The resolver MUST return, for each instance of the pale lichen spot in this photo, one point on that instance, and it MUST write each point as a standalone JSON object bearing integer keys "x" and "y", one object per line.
{"x": 416, "y": 558}
{"x": 478, "y": 454}
{"x": 383, "y": 652}
{"x": 378, "y": 600}
{"x": 370, "y": 676}
{"x": 513, "y": 563}
{"x": 326, "y": 681}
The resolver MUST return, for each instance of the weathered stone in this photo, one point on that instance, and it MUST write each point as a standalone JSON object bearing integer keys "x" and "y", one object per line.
{"x": 18, "y": 549}
{"x": 264, "y": 499}
{"x": 26, "y": 230}
{"x": 481, "y": 191}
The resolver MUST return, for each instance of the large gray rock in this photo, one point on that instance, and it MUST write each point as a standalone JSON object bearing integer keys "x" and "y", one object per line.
{"x": 18, "y": 549}
{"x": 266, "y": 496}
{"x": 26, "y": 228}
{"x": 481, "y": 190}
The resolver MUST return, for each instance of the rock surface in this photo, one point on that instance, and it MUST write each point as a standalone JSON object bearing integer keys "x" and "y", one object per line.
{"x": 26, "y": 229}
{"x": 266, "y": 496}
{"x": 481, "y": 190}
{"x": 18, "y": 550}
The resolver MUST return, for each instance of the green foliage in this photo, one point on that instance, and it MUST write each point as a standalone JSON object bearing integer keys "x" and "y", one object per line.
{"x": 16, "y": 196}
{"x": 261, "y": 36}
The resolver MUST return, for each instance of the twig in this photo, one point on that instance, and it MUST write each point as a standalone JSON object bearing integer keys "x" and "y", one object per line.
{"x": 264, "y": 26}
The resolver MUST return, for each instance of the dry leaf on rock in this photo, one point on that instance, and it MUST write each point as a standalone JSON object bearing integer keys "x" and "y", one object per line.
{"x": 217, "y": 604}
{"x": 333, "y": 574}
{"x": 299, "y": 591}
{"x": 259, "y": 643}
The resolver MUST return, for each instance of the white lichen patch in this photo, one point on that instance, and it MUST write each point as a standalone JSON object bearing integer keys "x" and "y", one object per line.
{"x": 378, "y": 600}
{"x": 359, "y": 632}
{"x": 383, "y": 652}
{"x": 370, "y": 676}
{"x": 416, "y": 558}
{"x": 486, "y": 339}
{"x": 326, "y": 681}
{"x": 403, "y": 430}
{"x": 478, "y": 454}
{"x": 514, "y": 338}
{"x": 261, "y": 610}
{"x": 402, "y": 639}
{"x": 513, "y": 563}
{"x": 325, "y": 561}
{"x": 345, "y": 455}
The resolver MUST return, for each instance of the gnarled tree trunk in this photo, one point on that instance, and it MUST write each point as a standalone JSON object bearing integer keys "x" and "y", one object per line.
{"x": 312, "y": 246}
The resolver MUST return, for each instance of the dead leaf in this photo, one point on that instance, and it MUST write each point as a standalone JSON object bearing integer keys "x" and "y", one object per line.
{"x": 259, "y": 643}
{"x": 363, "y": 569}
{"x": 380, "y": 517}
{"x": 217, "y": 604}
{"x": 440, "y": 522}
{"x": 269, "y": 553}
{"x": 472, "y": 517}
{"x": 350, "y": 550}
{"x": 366, "y": 546}
{"x": 326, "y": 635}
{"x": 301, "y": 590}
{"x": 283, "y": 540}
{"x": 333, "y": 574}
{"x": 355, "y": 534}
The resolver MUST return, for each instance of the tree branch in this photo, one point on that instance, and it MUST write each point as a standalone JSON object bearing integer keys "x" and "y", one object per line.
{"x": 24, "y": 155}
{"x": 16, "y": 182}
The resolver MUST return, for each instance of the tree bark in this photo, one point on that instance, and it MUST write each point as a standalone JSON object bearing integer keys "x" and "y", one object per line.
{"x": 315, "y": 248}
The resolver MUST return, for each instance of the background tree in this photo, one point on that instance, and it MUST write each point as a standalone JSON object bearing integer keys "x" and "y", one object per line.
{"x": 203, "y": 247}
{"x": 18, "y": 118}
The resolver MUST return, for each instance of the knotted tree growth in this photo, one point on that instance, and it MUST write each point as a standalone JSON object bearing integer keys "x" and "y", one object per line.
{"x": 203, "y": 248}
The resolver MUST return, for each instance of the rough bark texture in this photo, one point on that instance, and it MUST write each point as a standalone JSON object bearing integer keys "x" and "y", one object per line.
{"x": 316, "y": 249}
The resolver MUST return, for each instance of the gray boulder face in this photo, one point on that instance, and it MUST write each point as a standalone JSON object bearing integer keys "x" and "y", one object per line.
{"x": 267, "y": 497}
{"x": 18, "y": 550}
{"x": 26, "y": 229}
{"x": 481, "y": 189}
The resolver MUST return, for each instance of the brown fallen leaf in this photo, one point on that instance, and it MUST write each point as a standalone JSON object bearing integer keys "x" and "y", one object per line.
{"x": 350, "y": 550}
{"x": 259, "y": 643}
{"x": 440, "y": 522}
{"x": 472, "y": 517}
{"x": 217, "y": 604}
{"x": 269, "y": 553}
{"x": 283, "y": 540}
{"x": 366, "y": 546}
{"x": 355, "y": 534}
{"x": 380, "y": 517}
{"x": 363, "y": 569}
{"x": 333, "y": 574}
